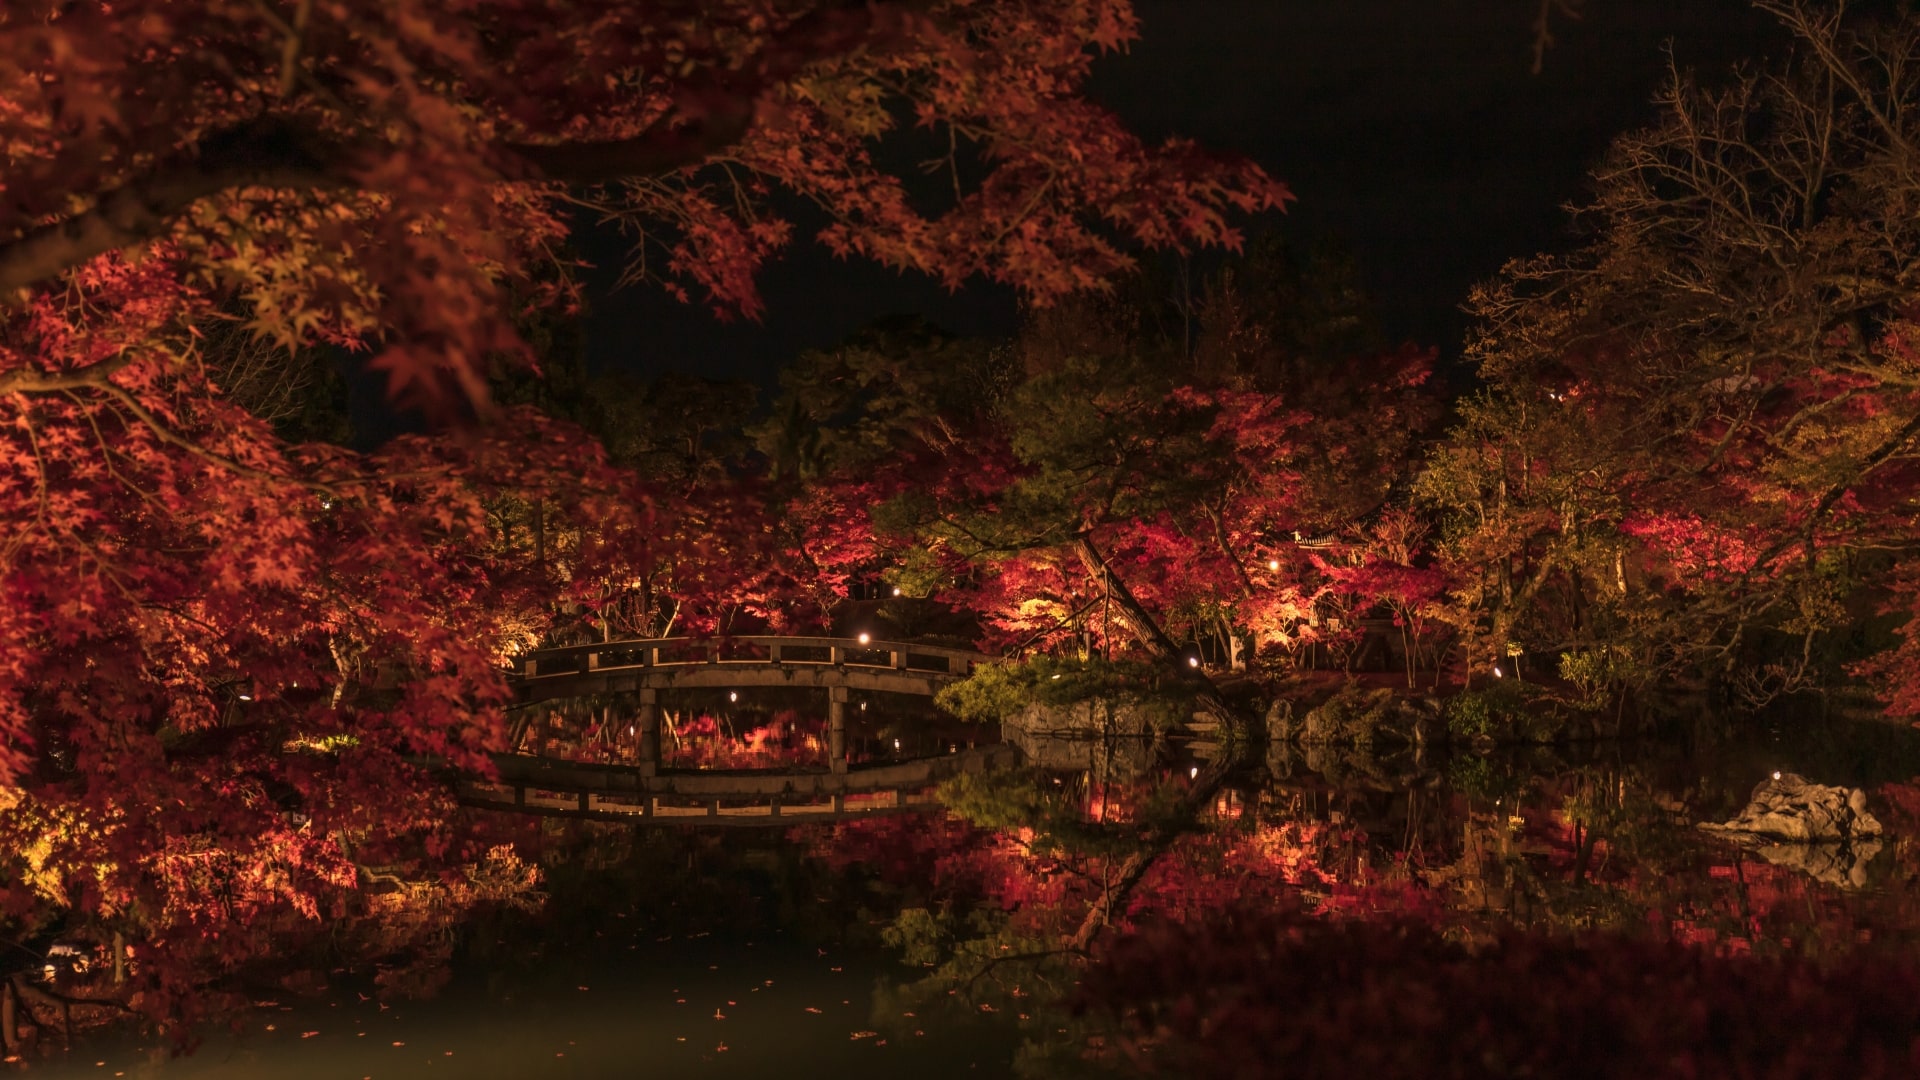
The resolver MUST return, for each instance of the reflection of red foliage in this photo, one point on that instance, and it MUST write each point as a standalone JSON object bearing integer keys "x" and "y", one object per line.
{"x": 1234, "y": 997}
{"x": 942, "y": 861}
{"x": 786, "y": 740}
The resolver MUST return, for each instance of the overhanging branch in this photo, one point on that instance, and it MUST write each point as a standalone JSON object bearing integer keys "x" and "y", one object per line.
{"x": 270, "y": 153}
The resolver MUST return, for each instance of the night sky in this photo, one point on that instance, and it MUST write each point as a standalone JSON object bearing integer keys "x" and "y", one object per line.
{"x": 1412, "y": 132}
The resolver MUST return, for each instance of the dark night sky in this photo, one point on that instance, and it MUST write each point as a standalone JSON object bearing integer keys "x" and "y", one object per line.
{"x": 1411, "y": 130}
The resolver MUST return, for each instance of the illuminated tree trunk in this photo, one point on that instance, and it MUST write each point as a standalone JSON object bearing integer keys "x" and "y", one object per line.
{"x": 1141, "y": 624}
{"x": 9, "y": 1017}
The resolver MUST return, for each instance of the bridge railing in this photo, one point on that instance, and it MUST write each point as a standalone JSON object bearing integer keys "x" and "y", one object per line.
{"x": 750, "y": 649}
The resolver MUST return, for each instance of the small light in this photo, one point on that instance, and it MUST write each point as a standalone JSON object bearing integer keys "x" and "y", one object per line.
{"x": 863, "y": 706}
{"x": 629, "y": 729}
{"x": 896, "y": 744}
{"x": 1193, "y": 773}
{"x": 1193, "y": 661}
{"x": 1497, "y": 673}
{"x": 246, "y": 697}
{"x": 864, "y": 638}
{"x": 1776, "y": 774}
{"x": 1273, "y": 564}
{"x": 896, "y": 590}
{"x": 1053, "y": 676}
{"x": 733, "y": 695}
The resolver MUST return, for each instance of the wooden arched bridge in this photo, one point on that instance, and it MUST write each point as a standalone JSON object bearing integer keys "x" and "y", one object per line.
{"x": 638, "y": 670}
{"x": 756, "y": 660}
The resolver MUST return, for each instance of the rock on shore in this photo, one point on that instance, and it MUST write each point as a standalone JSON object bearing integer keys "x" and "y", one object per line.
{"x": 1795, "y": 810}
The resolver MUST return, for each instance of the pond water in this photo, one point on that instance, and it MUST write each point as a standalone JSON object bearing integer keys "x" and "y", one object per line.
{"x": 751, "y": 952}
{"x": 628, "y": 1006}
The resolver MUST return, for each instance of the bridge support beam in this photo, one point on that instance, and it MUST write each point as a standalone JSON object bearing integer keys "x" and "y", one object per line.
{"x": 837, "y": 728}
{"x": 649, "y": 724}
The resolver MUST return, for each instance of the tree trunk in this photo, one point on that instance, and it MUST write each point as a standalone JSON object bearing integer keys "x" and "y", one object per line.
{"x": 9, "y": 1017}
{"x": 540, "y": 532}
{"x": 1142, "y": 625}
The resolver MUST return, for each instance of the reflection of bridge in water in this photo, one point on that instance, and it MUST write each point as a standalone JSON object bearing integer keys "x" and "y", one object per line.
{"x": 634, "y": 673}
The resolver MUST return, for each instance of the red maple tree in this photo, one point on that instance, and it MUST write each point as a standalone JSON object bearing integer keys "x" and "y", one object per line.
{"x": 230, "y": 658}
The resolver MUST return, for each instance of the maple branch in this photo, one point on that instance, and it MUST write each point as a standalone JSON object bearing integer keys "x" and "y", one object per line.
{"x": 659, "y": 150}
{"x": 262, "y": 154}
{"x": 271, "y": 153}
{"x": 27, "y": 381}
{"x": 1880, "y": 456}
{"x": 169, "y": 436}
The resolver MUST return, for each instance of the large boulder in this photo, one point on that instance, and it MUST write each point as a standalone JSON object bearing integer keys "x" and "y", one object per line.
{"x": 1358, "y": 717}
{"x": 1117, "y": 742}
{"x": 1795, "y": 810}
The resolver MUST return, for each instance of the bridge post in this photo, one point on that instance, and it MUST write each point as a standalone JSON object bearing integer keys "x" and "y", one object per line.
{"x": 649, "y": 723}
{"x": 837, "y": 728}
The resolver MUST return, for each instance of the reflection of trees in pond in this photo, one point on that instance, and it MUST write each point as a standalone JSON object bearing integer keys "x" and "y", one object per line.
{"x": 761, "y": 728}
{"x": 1532, "y": 862}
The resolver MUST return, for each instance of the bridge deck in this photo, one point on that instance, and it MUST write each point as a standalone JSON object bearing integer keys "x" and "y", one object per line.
{"x": 742, "y": 662}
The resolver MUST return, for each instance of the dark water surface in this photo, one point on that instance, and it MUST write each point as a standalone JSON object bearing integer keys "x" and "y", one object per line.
{"x": 633, "y": 1007}
{"x": 768, "y": 965}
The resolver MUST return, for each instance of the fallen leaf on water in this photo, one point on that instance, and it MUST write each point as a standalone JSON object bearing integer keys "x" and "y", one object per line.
{"x": 722, "y": 1048}
{"x": 580, "y": 988}
{"x": 397, "y": 1042}
{"x": 811, "y": 1009}
{"x": 308, "y": 1034}
{"x": 865, "y": 1034}
{"x": 718, "y": 1015}
{"x": 269, "y": 1027}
